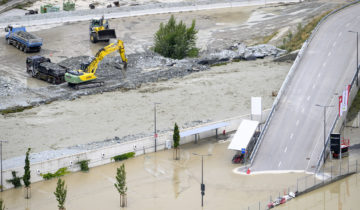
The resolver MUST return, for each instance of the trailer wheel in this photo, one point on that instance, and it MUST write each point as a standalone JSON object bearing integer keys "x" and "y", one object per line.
{"x": 21, "y": 47}
{"x": 26, "y": 50}
{"x": 8, "y": 41}
{"x": 93, "y": 38}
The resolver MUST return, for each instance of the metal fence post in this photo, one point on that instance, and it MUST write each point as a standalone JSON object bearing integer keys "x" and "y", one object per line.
{"x": 297, "y": 184}
{"x": 331, "y": 173}
{"x": 259, "y": 205}
{"x": 314, "y": 179}
{"x": 348, "y": 166}
{"x": 356, "y": 166}
{"x": 340, "y": 168}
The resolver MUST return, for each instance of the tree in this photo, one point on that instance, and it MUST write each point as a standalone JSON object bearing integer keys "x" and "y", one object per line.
{"x": 120, "y": 184}
{"x": 176, "y": 140}
{"x": 175, "y": 40}
{"x": 2, "y": 204}
{"x": 60, "y": 193}
{"x": 27, "y": 176}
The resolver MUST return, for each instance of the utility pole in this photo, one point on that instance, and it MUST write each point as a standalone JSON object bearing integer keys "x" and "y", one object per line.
{"x": 357, "y": 56}
{"x": 324, "y": 108}
{"x": 1, "y": 141}
{"x": 155, "y": 132}
{"x": 202, "y": 185}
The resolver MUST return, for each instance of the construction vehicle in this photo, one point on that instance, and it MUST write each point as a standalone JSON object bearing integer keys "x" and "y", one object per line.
{"x": 99, "y": 30}
{"x": 42, "y": 68}
{"x": 23, "y": 40}
{"x": 85, "y": 77}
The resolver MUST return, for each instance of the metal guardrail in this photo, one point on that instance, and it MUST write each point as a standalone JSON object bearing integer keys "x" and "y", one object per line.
{"x": 289, "y": 77}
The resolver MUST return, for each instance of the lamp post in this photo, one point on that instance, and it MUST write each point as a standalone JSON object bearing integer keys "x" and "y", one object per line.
{"x": 1, "y": 141}
{"x": 155, "y": 132}
{"x": 357, "y": 56}
{"x": 324, "y": 107}
{"x": 202, "y": 185}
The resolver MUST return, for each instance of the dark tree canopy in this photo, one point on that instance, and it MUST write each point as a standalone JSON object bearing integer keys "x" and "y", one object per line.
{"x": 176, "y": 136}
{"x": 175, "y": 40}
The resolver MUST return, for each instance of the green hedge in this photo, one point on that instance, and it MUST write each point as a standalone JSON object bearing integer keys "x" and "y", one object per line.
{"x": 84, "y": 165}
{"x": 123, "y": 156}
{"x": 58, "y": 173}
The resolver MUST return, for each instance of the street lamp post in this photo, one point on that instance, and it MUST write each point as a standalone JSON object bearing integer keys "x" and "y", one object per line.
{"x": 357, "y": 56}
{"x": 2, "y": 186}
{"x": 202, "y": 185}
{"x": 324, "y": 107}
{"x": 155, "y": 132}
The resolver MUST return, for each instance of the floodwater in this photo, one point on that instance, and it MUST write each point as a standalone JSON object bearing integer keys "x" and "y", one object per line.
{"x": 156, "y": 181}
{"x": 220, "y": 93}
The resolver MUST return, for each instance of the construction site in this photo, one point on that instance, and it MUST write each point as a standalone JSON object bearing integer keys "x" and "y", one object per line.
{"x": 84, "y": 83}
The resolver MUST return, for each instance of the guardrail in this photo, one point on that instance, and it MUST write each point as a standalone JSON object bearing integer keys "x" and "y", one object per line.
{"x": 289, "y": 77}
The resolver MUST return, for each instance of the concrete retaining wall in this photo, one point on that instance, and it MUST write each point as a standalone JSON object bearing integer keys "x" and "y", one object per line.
{"x": 103, "y": 156}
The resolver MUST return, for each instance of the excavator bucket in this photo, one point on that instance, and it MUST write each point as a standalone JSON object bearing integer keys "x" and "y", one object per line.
{"x": 106, "y": 34}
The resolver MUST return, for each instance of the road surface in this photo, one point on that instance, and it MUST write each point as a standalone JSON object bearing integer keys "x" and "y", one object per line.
{"x": 294, "y": 139}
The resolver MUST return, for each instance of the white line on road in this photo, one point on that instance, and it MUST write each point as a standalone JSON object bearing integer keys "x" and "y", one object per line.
{"x": 297, "y": 122}
{"x": 285, "y": 149}
{"x": 279, "y": 164}
{"x": 291, "y": 135}
{"x": 340, "y": 34}
{"x": 308, "y": 98}
{"x": 329, "y": 53}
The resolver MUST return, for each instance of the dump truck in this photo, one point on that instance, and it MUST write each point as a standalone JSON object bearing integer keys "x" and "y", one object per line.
{"x": 42, "y": 68}
{"x": 99, "y": 30}
{"x": 23, "y": 40}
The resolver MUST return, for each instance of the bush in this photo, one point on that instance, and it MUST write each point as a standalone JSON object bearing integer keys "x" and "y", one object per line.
{"x": 123, "y": 156}
{"x": 58, "y": 173}
{"x": 84, "y": 165}
{"x": 15, "y": 181}
{"x": 175, "y": 40}
{"x": 294, "y": 41}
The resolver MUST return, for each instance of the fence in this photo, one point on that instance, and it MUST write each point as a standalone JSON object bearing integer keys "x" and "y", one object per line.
{"x": 310, "y": 182}
{"x": 126, "y": 11}
{"x": 289, "y": 77}
{"x": 103, "y": 155}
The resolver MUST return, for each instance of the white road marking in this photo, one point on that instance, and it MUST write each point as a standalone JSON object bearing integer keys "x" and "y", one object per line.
{"x": 285, "y": 149}
{"x": 279, "y": 164}
{"x": 340, "y": 34}
{"x": 319, "y": 75}
{"x": 329, "y": 53}
{"x": 334, "y": 44}
{"x": 297, "y": 122}
{"x": 291, "y": 135}
{"x": 308, "y": 98}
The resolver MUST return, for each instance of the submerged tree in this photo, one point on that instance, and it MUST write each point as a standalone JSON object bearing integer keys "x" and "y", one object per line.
{"x": 176, "y": 140}
{"x": 16, "y": 181}
{"x": 175, "y": 40}
{"x": 121, "y": 185}
{"x": 27, "y": 176}
{"x": 60, "y": 193}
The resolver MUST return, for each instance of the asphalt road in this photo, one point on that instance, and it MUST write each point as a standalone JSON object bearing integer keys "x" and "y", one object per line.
{"x": 294, "y": 139}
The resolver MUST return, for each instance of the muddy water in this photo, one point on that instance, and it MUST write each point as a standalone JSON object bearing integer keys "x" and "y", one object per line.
{"x": 156, "y": 181}
{"x": 220, "y": 93}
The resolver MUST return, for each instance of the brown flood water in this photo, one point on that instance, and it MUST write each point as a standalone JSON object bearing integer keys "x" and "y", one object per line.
{"x": 156, "y": 181}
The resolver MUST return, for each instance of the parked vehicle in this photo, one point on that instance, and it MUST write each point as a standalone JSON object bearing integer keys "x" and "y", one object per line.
{"x": 23, "y": 40}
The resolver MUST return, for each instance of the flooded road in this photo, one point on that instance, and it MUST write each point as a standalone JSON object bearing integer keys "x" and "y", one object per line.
{"x": 156, "y": 181}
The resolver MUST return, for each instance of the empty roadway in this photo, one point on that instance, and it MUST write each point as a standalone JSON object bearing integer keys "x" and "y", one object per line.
{"x": 294, "y": 139}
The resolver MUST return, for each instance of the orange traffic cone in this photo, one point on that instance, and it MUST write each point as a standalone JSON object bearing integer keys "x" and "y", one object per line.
{"x": 248, "y": 171}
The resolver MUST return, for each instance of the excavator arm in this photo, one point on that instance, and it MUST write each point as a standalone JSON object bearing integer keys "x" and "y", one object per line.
{"x": 76, "y": 77}
{"x": 104, "y": 52}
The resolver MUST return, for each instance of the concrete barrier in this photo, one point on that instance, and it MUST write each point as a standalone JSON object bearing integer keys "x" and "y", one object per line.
{"x": 103, "y": 155}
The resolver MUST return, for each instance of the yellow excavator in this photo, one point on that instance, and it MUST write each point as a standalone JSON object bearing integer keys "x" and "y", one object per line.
{"x": 84, "y": 77}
